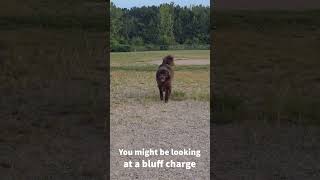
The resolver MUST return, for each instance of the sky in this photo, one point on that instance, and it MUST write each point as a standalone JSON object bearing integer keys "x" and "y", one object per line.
{"x": 139, "y": 3}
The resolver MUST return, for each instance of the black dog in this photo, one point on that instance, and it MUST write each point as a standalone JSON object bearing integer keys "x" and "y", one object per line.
{"x": 164, "y": 77}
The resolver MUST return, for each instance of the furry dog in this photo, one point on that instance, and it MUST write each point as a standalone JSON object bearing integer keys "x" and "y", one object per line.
{"x": 164, "y": 77}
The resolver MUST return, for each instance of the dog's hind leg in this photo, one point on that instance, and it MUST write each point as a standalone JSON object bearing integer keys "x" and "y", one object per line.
{"x": 161, "y": 93}
{"x": 167, "y": 95}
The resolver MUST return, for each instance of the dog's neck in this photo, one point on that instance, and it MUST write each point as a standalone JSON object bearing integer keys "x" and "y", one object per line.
{"x": 167, "y": 64}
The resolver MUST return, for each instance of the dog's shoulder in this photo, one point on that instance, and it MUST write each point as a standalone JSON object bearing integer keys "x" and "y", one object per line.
{"x": 164, "y": 67}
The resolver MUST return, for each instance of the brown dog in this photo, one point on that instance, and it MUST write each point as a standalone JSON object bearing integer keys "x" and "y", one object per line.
{"x": 164, "y": 77}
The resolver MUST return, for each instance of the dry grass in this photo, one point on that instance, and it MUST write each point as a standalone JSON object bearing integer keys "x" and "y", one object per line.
{"x": 136, "y": 79}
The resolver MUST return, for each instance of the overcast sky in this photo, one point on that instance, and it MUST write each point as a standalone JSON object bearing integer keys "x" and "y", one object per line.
{"x": 139, "y": 3}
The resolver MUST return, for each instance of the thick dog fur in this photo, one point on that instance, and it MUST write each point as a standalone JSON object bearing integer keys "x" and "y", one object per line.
{"x": 164, "y": 77}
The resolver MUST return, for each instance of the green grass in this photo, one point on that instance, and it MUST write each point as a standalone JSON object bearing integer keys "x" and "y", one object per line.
{"x": 153, "y": 68}
{"x": 178, "y": 95}
{"x": 133, "y": 77}
{"x": 129, "y": 58}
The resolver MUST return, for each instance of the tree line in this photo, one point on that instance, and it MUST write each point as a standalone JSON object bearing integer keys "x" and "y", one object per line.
{"x": 159, "y": 26}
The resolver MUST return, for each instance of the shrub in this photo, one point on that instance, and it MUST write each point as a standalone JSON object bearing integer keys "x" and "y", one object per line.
{"x": 120, "y": 48}
{"x": 164, "y": 47}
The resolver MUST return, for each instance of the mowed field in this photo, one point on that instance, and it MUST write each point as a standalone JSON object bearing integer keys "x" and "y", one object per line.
{"x": 140, "y": 120}
{"x": 133, "y": 76}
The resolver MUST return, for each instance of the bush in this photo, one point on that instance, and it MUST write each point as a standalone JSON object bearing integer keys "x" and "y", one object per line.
{"x": 137, "y": 41}
{"x": 164, "y": 47}
{"x": 150, "y": 47}
{"x": 120, "y": 48}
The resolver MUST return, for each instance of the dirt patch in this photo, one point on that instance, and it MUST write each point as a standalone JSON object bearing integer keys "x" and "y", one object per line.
{"x": 185, "y": 61}
{"x": 177, "y": 125}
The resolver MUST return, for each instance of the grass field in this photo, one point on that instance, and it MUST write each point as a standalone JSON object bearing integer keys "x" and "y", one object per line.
{"x": 133, "y": 76}
{"x": 266, "y": 67}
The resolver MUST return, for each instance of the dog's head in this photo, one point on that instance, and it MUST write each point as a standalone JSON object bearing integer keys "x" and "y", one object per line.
{"x": 163, "y": 76}
{"x": 168, "y": 60}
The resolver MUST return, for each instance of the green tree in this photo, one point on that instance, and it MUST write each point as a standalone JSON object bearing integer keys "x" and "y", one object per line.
{"x": 159, "y": 25}
{"x": 200, "y": 23}
{"x": 166, "y": 24}
{"x": 116, "y": 25}
{"x": 143, "y": 22}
